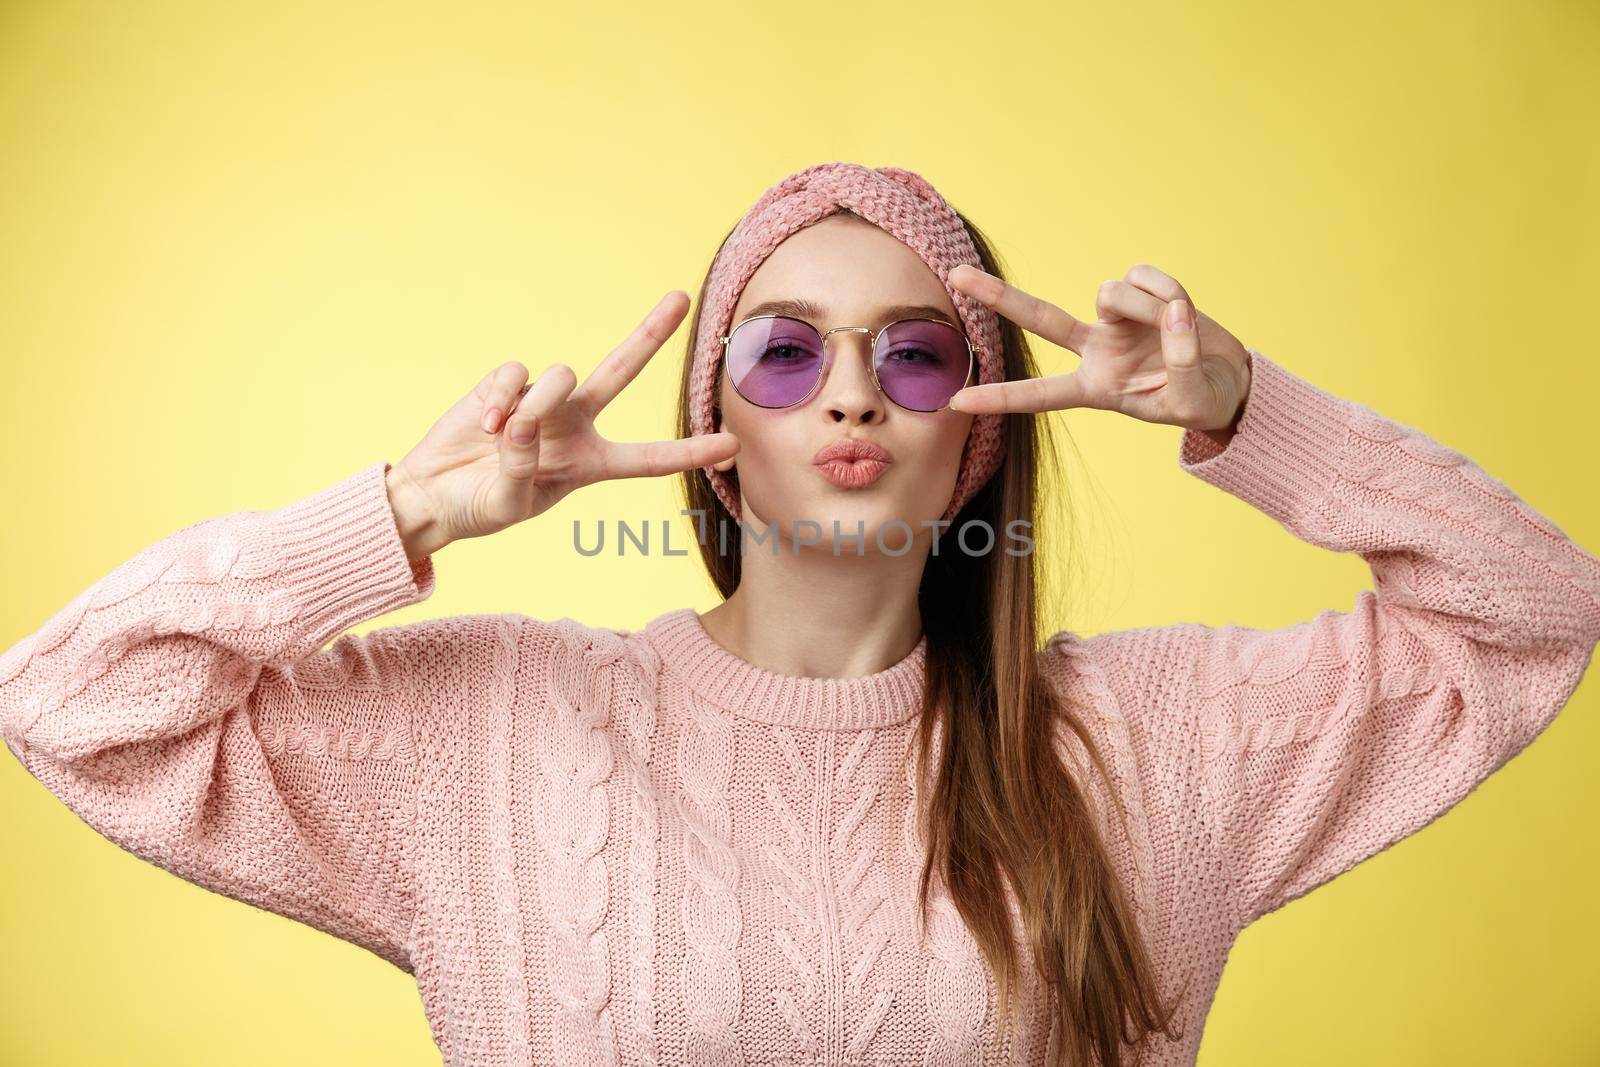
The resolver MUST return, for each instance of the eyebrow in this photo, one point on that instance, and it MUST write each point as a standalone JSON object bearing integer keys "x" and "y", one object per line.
{"x": 814, "y": 312}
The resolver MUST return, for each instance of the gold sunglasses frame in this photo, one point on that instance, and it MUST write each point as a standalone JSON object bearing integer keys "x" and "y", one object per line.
{"x": 827, "y": 362}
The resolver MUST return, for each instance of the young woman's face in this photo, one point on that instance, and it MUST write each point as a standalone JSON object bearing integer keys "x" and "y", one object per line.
{"x": 854, "y": 272}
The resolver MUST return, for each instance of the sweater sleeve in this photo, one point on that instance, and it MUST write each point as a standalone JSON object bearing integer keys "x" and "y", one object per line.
{"x": 1313, "y": 747}
{"x": 183, "y": 707}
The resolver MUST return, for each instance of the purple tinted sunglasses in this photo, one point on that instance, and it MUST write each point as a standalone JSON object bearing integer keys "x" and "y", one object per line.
{"x": 777, "y": 362}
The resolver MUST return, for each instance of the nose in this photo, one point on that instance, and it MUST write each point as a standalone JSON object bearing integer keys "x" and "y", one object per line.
{"x": 849, "y": 393}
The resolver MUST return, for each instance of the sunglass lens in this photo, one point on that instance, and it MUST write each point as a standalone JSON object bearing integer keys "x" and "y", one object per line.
{"x": 922, "y": 364}
{"x": 774, "y": 362}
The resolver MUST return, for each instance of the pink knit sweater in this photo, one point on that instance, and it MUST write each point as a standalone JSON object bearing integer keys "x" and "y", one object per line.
{"x": 597, "y": 846}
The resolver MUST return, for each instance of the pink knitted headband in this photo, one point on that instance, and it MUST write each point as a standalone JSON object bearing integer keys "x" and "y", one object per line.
{"x": 902, "y": 204}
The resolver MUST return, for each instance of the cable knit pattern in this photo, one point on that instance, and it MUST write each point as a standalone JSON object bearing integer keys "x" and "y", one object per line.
{"x": 711, "y": 991}
{"x": 601, "y": 846}
{"x": 955, "y": 986}
{"x": 800, "y": 940}
{"x": 852, "y": 943}
{"x": 644, "y": 841}
{"x": 861, "y": 933}
{"x": 502, "y": 845}
{"x": 574, "y": 822}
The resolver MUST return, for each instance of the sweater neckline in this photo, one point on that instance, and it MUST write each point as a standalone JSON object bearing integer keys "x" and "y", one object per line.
{"x": 883, "y": 698}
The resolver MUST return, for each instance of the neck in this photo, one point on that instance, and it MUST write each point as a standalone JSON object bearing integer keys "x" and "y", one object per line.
{"x": 808, "y": 612}
{"x": 809, "y": 639}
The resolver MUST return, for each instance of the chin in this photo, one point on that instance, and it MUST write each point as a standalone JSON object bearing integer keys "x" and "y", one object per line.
{"x": 897, "y": 521}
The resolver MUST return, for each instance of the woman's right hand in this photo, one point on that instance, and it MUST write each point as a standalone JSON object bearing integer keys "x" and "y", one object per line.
{"x": 511, "y": 449}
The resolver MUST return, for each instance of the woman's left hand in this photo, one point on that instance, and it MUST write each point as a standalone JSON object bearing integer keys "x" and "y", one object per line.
{"x": 1134, "y": 360}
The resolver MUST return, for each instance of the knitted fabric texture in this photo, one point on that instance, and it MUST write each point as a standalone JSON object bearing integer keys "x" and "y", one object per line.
{"x": 594, "y": 845}
{"x": 902, "y": 204}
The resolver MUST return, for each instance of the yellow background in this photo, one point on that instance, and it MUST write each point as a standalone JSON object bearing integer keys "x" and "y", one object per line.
{"x": 245, "y": 250}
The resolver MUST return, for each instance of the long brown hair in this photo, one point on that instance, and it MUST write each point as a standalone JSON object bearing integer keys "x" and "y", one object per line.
{"x": 1004, "y": 808}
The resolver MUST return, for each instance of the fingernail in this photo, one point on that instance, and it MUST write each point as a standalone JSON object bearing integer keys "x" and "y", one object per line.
{"x": 523, "y": 435}
{"x": 491, "y": 419}
{"x": 1179, "y": 318}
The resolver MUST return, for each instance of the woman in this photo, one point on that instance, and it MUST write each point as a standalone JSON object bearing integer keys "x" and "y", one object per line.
{"x": 711, "y": 841}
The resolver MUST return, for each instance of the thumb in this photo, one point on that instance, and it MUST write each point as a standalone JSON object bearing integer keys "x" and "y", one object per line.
{"x": 1187, "y": 390}
{"x": 519, "y": 446}
{"x": 514, "y": 488}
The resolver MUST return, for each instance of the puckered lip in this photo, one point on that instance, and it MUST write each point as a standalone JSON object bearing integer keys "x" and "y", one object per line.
{"x": 850, "y": 449}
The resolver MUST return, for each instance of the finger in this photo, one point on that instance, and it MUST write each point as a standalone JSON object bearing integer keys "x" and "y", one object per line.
{"x": 654, "y": 458}
{"x": 519, "y": 449}
{"x": 517, "y": 402}
{"x": 1053, "y": 393}
{"x": 519, "y": 444}
{"x": 1028, "y": 311}
{"x": 1158, "y": 283}
{"x": 1117, "y": 300}
{"x": 499, "y": 390}
{"x": 625, "y": 361}
{"x": 1188, "y": 393}
{"x": 547, "y": 392}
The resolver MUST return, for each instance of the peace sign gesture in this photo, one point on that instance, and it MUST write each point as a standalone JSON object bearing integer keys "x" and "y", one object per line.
{"x": 511, "y": 449}
{"x": 1136, "y": 359}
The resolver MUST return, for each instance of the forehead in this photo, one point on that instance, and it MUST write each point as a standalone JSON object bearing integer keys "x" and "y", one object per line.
{"x": 846, "y": 272}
